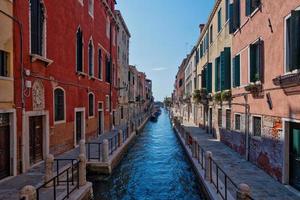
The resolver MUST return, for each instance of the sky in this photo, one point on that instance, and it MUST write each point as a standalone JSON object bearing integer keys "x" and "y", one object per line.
{"x": 162, "y": 32}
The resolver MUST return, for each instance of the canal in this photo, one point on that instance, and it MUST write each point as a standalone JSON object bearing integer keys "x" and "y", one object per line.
{"x": 155, "y": 167}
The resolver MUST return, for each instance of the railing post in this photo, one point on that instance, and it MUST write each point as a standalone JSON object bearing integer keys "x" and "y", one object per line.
{"x": 82, "y": 170}
{"x": 120, "y": 137}
{"x": 82, "y": 148}
{"x": 105, "y": 150}
{"x": 28, "y": 192}
{"x": 208, "y": 168}
{"x": 193, "y": 148}
{"x": 243, "y": 192}
{"x": 49, "y": 169}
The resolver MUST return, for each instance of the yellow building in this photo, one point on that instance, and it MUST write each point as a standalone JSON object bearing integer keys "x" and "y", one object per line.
{"x": 214, "y": 46}
{"x": 7, "y": 111}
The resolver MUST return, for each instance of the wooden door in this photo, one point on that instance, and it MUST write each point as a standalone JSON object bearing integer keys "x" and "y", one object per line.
{"x": 295, "y": 155}
{"x": 4, "y": 146}
{"x": 36, "y": 139}
{"x": 78, "y": 127}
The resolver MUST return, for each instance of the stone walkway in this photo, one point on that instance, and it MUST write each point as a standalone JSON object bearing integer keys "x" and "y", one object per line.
{"x": 239, "y": 170}
{"x": 9, "y": 188}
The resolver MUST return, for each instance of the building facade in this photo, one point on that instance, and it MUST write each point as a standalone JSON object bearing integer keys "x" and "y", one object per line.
{"x": 8, "y": 121}
{"x": 248, "y": 78}
{"x": 123, "y": 65}
{"x": 70, "y": 86}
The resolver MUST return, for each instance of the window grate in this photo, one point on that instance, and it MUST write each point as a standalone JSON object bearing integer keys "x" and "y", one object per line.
{"x": 257, "y": 126}
{"x": 228, "y": 119}
{"x": 220, "y": 117}
{"x": 237, "y": 122}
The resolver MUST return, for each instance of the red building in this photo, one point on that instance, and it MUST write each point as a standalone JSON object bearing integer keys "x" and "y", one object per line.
{"x": 65, "y": 89}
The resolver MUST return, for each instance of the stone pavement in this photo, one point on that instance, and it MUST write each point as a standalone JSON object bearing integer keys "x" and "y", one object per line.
{"x": 239, "y": 170}
{"x": 9, "y": 188}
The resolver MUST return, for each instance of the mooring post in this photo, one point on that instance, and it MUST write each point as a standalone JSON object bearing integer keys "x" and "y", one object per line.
{"x": 49, "y": 170}
{"x": 243, "y": 192}
{"x": 82, "y": 170}
{"x": 120, "y": 137}
{"x": 105, "y": 151}
{"x": 208, "y": 168}
{"x": 28, "y": 192}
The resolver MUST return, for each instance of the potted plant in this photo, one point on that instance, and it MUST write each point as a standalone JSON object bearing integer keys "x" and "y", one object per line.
{"x": 197, "y": 96}
{"x": 226, "y": 95}
{"x": 254, "y": 87}
{"x": 218, "y": 97}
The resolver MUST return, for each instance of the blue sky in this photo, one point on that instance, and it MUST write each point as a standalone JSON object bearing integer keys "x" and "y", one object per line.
{"x": 162, "y": 33}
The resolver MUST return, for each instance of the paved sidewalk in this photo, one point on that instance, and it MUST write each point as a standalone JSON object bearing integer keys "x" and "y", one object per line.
{"x": 9, "y": 188}
{"x": 239, "y": 170}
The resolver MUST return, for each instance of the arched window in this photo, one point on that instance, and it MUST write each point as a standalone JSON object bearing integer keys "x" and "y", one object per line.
{"x": 37, "y": 22}
{"x": 91, "y": 104}
{"x": 59, "y": 104}
{"x": 91, "y": 58}
{"x": 107, "y": 27}
{"x": 79, "y": 51}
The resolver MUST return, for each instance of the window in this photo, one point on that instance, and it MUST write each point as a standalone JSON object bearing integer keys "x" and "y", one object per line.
{"x": 234, "y": 16}
{"x": 208, "y": 78}
{"x": 220, "y": 20}
{"x": 108, "y": 70}
{"x": 59, "y": 104}
{"x": 100, "y": 106}
{"x": 91, "y": 104}
{"x": 100, "y": 64}
{"x": 227, "y": 9}
{"x": 256, "y": 61}
{"x": 114, "y": 117}
{"x": 91, "y": 58}
{"x": 293, "y": 41}
{"x": 91, "y": 7}
{"x": 107, "y": 27}
{"x": 107, "y": 103}
{"x": 237, "y": 120}
{"x": 122, "y": 112}
{"x": 228, "y": 119}
{"x": 256, "y": 126}
{"x": 211, "y": 34}
{"x": 220, "y": 117}
{"x": 4, "y": 63}
{"x": 251, "y": 6}
{"x": 236, "y": 70}
{"x": 79, "y": 51}
{"x": 37, "y": 20}
{"x": 223, "y": 70}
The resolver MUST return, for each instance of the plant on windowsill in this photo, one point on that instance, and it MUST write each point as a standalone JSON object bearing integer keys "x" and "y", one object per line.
{"x": 217, "y": 97}
{"x": 226, "y": 95}
{"x": 187, "y": 98}
{"x": 254, "y": 87}
{"x": 197, "y": 96}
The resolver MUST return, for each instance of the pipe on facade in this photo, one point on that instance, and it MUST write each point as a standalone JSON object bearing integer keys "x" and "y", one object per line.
{"x": 15, "y": 20}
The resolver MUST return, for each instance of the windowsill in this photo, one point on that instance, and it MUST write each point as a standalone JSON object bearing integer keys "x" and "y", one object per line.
{"x": 288, "y": 79}
{"x": 35, "y": 57}
{"x": 91, "y": 117}
{"x": 81, "y": 74}
{"x": 5, "y": 78}
{"x": 59, "y": 122}
{"x": 92, "y": 78}
{"x": 255, "y": 11}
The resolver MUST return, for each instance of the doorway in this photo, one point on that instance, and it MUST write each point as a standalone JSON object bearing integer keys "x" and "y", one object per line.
{"x": 35, "y": 139}
{"x": 4, "y": 146}
{"x": 78, "y": 127}
{"x": 100, "y": 118}
{"x": 294, "y": 155}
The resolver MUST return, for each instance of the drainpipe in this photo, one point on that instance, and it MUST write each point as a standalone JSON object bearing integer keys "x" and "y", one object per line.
{"x": 111, "y": 77}
{"x": 247, "y": 136}
{"x": 15, "y": 20}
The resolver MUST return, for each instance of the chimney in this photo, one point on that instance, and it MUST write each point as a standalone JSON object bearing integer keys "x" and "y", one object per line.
{"x": 201, "y": 27}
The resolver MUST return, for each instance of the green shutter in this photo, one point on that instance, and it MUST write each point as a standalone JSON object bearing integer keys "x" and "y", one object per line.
{"x": 217, "y": 75}
{"x": 248, "y": 7}
{"x": 253, "y": 70}
{"x": 261, "y": 60}
{"x": 209, "y": 78}
{"x": 231, "y": 17}
{"x": 237, "y": 71}
{"x": 295, "y": 40}
{"x": 222, "y": 70}
{"x": 233, "y": 72}
{"x": 227, "y": 70}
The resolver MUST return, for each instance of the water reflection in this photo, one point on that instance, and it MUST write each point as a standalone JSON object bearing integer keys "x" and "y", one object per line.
{"x": 154, "y": 168}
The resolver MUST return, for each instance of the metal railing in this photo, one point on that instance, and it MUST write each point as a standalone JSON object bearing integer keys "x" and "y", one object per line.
{"x": 113, "y": 144}
{"x": 94, "y": 151}
{"x": 225, "y": 186}
{"x": 63, "y": 183}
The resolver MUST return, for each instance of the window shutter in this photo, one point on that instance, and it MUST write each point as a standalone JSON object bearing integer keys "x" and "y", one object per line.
{"x": 237, "y": 14}
{"x": 209, "y": 78}
{"x": 217, "y": 70}
{"x": 237, "y": 69}
{"x": 253, "y": 71}
{"x": 295, "y": 40}
{"x": 248, "y": 7}
{"x": 233, "y": 73}
{"x": 227, "y": 70}
{"x": 222, "y": 71}
{"x": 261, "y": 60}
{"x": 203, "y": 79}
{"x": 231, "y": 19}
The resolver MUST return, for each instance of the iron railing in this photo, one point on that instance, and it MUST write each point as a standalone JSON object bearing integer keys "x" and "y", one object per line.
{"x": 63, "y": 183}
{"x": 94, "y": 151}
{"x": 113, "y": 144}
